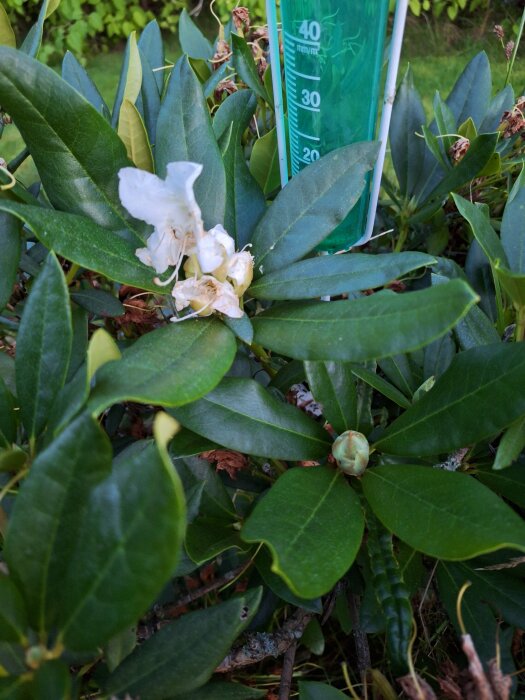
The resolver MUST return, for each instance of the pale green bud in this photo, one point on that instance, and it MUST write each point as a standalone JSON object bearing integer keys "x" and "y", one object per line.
{"x": 351, "y": 451}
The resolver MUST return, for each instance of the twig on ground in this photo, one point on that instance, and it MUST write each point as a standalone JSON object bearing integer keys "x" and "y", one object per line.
{"x": 285, "y": 686}
{"x": 360, "y": 639}
{"x": 258, "y": 646}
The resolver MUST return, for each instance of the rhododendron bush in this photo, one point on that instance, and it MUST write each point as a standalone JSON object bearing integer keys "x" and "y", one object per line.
{"x": 224, "y": 456}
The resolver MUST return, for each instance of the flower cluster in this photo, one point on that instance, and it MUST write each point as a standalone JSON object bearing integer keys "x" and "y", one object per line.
{"x": 215, "y": 275}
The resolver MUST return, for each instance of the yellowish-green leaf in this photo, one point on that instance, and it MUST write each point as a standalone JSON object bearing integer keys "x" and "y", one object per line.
{"x": 164, "y": 429}
{"x": 52, "y": 5}
{"x": 133, "y": 133}
{"x": 134, "y": 76}
{"x": 102, "y": 349}
{"x": 7, "y": 35}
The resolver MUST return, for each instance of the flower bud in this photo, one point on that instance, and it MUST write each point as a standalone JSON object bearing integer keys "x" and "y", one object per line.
{"x": 351, "y": 451}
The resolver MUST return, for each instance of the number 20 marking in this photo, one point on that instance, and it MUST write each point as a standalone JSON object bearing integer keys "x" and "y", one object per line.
{"x": 310, "y": 154}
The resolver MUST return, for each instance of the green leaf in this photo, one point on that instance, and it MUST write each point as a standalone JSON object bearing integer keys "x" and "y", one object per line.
{"x": 223, "y": 691}
{"x": 43, "y": 346}
{"x": 7, "y": 35}
{"x": 313, "y": 638}
{"x": 381, "y": 385}
{"x": 408, "y": 149}
{"x": 241, "y": 415}
{"x": 312, "y": 521}
{"x": 127, "y": 546}
{"x": 133, "y": 133}
{"x": 46, "y": 520}
{"x": 513, "y": 228}
{"x": 509, "y": 483}
{"x": 184, "y": 132}
{"x": 244, "y": 64}
{"x": 52, "y": 680}
{"x": 332, "y": 275}
{"x": 363, "y": 329}
{"x": 513, "y": 284}
{"x": 206, "y": 538}
{"x": 10, "y": 245}
{"x": 78, "y": 167}
{"x": 13, "y": 616}
{"x": 192, "y": 40}
{"x": 470, "y": 96}
{"x": 470, "y": 166}
{"x": 151, "y": 46}
{"x": 133, "y": 73}
{"x": 85, "y": 243}
{"x": 182, "y": 656}
{"x": 511, "y": 445}
{"x": 168, "y": 367}
{"x": 8, "y": 414}
{"x": 263, "y": 562}
{"x": 214, "y": 500}
{"x": 75, "y": 74}
{"x": 313, "y": 690}
{"x": 101, "y": 350}
{"x": 242, "y": 327}
{"x": 245, "y": 203}
{"x": 482, "y": 230}
{"x": 311, "y": 206}
{"x": 334, "y": 387}
{"x": 447, "y": 515}
{"x": 477, "y": 397}
{"x": 264, "y": 162}
{"x": 98, "y": 302}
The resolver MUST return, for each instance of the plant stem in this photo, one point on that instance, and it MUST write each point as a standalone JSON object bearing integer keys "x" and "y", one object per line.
{"x": 516, "y": 47}
{"x": 71, "y": 273}
{"x": 285, "y": 686}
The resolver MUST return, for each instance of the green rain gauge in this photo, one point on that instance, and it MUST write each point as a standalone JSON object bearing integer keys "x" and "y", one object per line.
{"x": 333, "y": 57}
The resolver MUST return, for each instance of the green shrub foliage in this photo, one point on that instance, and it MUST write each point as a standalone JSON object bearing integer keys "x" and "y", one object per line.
{"x": 216, "y": 444}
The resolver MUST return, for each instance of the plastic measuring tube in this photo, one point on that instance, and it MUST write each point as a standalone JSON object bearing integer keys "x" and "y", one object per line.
{"x": 333, "y": 55}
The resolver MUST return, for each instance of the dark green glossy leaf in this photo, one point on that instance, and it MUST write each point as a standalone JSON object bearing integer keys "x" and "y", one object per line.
{"x": 264, "y": 162}
{"x": 8, "y": 414}
{"x": 312, "y": 521}
{"x": 149, "y": 97}
{"x": 206, "y": 538}
{"x": 184, "y": 132}
{"x": 407, "y": 148}
{"x": 479, "y": 395}
{"x": 85, "y": 243}
{"x": 470, "y": 166}
{"x": 188, "y": 444}
{"x": 10, "y": 245}
{"x": 263, "y": 562}
{"x": 241, "y": 415}
{"x": 45, "y": 523}
{"x": 511, "y": 445}
{"x": 52, "y": 680}
{"x": 171, "y": 366}
{"x": 98, "y": 302}
{"x": 447, "y": 515}
{"x": 502, "y": 102}
{"x": 214, "y": 499}
{"x": 151, "y": 46}
{"x": 242, "y": 327}
{"x": 223, "y": 691}
{"x": 192, "y": 40}
{"x": 332, "y": 275}
{"x": 76, "y": 75}
{"x": 482, "y": 230}
{"x": 313, "y": 690}
{"x": 13, "y": 616}
{"x": 244, "y": 64}
{"x": 311, "y": 206}
{"x": 126, "y": 548}
{"x": 78, "y": 167}
{"x": 245, "y": 203}
{"x": 509, "y": 483}
{"x": 334, "y": 387}
{"x": 363, "y": 329}
{"x": 183, "y": 655}
{"x": 470, "y": 96}
{"x": 43, "y": 346}
{"x": 381, "y": 385}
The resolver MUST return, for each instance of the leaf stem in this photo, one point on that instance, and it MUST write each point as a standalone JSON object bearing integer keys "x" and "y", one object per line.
{"x": 520, "y": 324}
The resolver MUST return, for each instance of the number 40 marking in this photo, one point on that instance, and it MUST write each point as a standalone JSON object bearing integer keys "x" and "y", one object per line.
{"x": 310, "y": 30}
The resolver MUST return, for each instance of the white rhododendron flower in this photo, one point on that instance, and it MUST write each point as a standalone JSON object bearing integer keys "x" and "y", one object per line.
{"x": 169, "y": 205}
{"x": 216, "y": 276}
{"x": 206, "y": 295}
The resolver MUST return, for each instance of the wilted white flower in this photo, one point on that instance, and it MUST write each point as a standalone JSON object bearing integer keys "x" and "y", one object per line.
{"x": 206, "y": 295}
{"x": 213, "y": 250}
{"x": 170, "y": 206}
{"x": 240, "y": 271}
